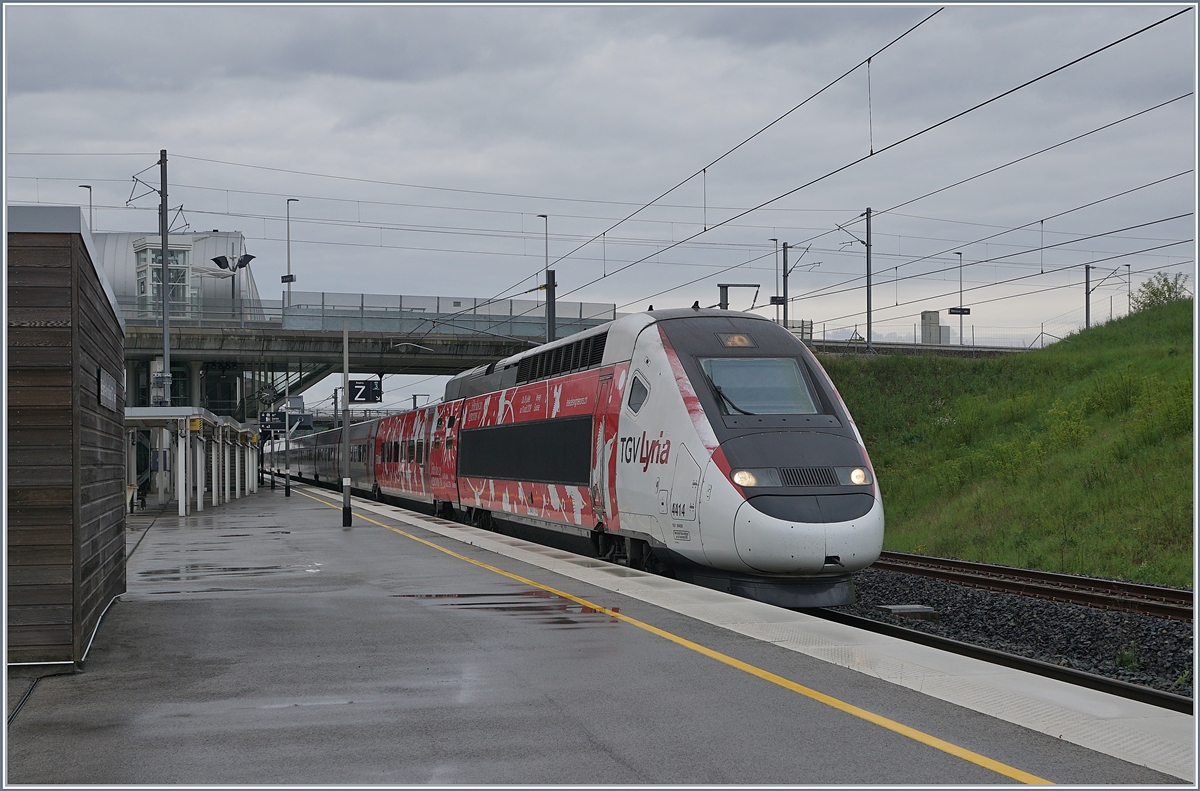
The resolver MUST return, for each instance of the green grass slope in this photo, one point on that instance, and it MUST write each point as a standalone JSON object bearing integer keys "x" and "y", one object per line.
{"x": 1074, "y": 458}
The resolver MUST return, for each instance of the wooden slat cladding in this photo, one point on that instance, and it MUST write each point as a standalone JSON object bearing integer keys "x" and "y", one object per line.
{"x": 100, "y": 532}
{"x": 66, "y": 464}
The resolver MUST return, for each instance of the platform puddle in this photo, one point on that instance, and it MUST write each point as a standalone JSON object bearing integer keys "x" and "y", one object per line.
{"x": 545, "y": 607}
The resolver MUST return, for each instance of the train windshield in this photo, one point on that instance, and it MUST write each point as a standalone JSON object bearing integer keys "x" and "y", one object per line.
{"x": 759, "y": 386}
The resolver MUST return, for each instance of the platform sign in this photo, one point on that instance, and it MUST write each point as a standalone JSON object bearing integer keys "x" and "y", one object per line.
{"x": 366, "y": 391}
{"x": 960, "y": 311}
{"x": 273, "y": 421}
{"x": 107, "y": 387}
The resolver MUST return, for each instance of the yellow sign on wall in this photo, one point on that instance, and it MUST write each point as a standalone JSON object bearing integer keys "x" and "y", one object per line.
{"x": 195, "y": 424}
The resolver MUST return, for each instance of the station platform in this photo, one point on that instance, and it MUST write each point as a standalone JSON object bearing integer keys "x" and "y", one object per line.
{"x": 264, "y": 643}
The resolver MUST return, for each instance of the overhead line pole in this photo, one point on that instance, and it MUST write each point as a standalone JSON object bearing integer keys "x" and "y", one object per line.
{"x": 785, "y": 286}
{"x": 960, "y": 315}
{"x": 347, "y": 518}
{"x": 166, "y": 281}
{"x": 868, "y": 243}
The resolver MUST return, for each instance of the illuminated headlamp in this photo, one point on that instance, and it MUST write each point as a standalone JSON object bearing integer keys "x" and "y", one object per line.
{"x": 853, "y": 476}
{"x": 764, "y": 476}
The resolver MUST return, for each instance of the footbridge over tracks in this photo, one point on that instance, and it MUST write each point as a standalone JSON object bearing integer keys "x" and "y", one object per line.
{"x": 225, "y": 357}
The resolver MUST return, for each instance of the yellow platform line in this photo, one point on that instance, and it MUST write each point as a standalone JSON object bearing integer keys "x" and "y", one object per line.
{"x": 765, "y": 675}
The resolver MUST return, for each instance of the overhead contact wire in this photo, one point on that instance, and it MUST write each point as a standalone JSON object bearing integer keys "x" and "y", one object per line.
{"x": 899, "y": 142}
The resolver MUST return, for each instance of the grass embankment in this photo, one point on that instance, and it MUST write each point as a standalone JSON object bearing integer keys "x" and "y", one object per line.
{"x": 1075, "y": 458}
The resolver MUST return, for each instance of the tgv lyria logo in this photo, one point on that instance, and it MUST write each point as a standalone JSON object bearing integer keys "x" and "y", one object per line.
{"x": 645, "y": 451}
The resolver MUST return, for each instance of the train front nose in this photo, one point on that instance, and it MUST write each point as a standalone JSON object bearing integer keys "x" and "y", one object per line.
{"x": 800, "y": 502}
{"x": 808, "y": 534}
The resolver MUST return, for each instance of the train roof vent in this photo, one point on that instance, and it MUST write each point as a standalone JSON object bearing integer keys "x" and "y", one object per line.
{"x": 597, "y": 350}
{"x": 568, "y": 358}
{"x": 808, "y": 476}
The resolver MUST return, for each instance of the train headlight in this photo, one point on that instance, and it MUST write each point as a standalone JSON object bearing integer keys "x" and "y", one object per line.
{"x": 766, "y": 476}
{"x": 853, "y": 476}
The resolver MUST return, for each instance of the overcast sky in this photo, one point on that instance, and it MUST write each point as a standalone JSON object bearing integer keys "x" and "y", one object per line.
{"x": 440, "y": 133}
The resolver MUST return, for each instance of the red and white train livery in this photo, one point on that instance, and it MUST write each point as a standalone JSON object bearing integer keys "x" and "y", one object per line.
{"x": 708, "y": 443}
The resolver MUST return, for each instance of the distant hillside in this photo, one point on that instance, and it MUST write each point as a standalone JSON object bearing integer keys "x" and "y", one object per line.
{"x": 1075, "y": 458}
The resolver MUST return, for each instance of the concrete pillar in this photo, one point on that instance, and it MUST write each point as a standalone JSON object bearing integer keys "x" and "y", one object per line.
{"x": 216, "y": 475}
{"x": 225, "y": 455}
{"x": 194, "y": 368}
{"x": 131, "y": 457}
{"x": 168, "y": 451}
{"x": 131, "y": 384}
{"x": 238, "y": 452}
{"x": 200, "y": 470}
{"x": 156, "y": 447}
{"x": 181, "y": 467}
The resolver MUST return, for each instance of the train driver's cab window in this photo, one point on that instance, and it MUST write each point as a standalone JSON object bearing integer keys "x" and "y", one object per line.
{"x": 637, "y": 394}
{"x": 759, "y": 386}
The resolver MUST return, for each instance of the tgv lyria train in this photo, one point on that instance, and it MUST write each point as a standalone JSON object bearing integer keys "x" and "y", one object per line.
{"x": 708, "y": 444}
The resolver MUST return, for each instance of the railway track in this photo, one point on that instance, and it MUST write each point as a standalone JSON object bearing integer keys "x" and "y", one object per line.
{"x": 1154, "y": 697}
{"x": 1131, "y": 597}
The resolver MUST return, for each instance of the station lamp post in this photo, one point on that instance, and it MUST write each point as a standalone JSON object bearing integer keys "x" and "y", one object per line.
{"x": 289, "y": 278}
{"x": 243, "y": 261}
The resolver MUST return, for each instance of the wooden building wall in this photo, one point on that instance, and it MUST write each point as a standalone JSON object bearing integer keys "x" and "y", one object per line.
{"x": 66, "y": 504}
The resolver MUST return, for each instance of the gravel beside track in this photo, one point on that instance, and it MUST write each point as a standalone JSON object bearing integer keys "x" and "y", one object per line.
{"x": 1140, "y": 649}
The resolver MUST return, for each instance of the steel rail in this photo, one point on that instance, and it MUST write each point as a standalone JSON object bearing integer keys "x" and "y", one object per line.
{"x": 1111, "y": 686}
{"x": 1173, "y": 603}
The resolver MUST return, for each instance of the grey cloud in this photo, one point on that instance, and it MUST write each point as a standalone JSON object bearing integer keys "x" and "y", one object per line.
{"x": 752, "y": 27}
{"x": 165, "y": 48}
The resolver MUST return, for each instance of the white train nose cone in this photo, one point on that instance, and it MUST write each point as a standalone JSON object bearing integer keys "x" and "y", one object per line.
{"x": 775, "y": 546}
{"x": 779, "y": 546}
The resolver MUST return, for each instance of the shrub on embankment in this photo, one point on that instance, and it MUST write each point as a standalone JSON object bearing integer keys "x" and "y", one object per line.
{"x": 1074, "y": 458}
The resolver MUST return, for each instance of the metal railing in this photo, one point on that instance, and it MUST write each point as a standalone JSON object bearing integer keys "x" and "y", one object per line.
{"x": 973, "y": 335}
{"x": 399, "y": 314}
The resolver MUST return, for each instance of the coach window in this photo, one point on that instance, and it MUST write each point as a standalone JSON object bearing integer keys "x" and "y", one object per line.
{"x": 637, "y": 394}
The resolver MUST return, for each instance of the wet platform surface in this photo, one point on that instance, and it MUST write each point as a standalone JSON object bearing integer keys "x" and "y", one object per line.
{"x": 262, "y": 642}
